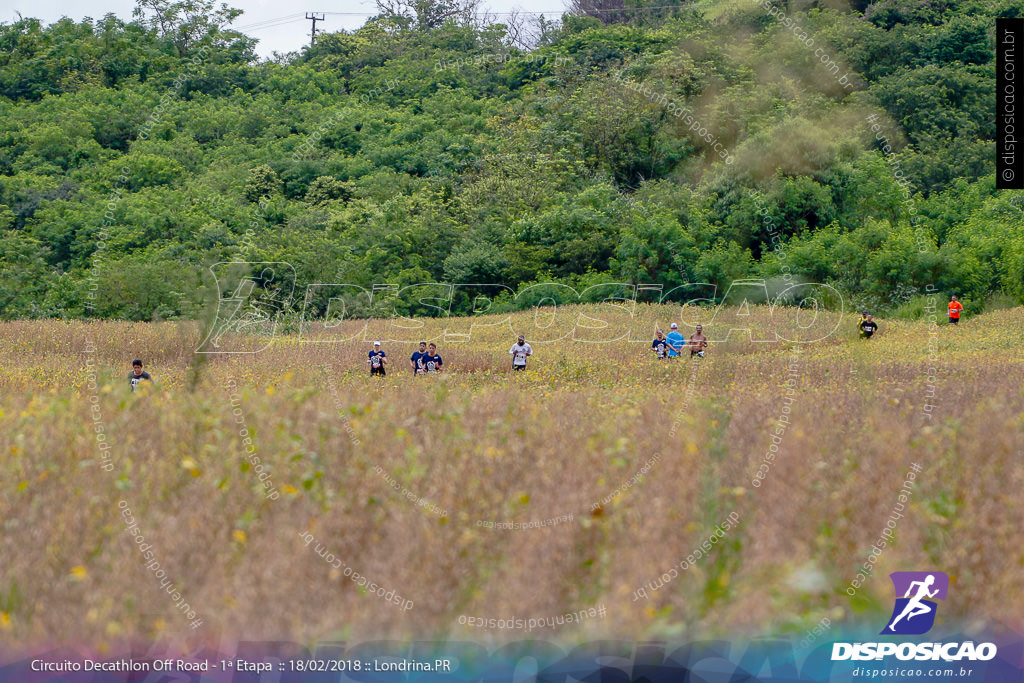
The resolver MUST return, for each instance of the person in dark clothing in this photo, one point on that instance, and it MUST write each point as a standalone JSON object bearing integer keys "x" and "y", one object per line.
{"x": 867, "y": 327}
{"x": 377, "y": 360}
{"x": 138, "y": 374}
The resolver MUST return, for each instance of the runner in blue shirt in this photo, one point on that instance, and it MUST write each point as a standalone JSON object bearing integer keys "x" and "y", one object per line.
{"x": 416, "y": 360}
{"x": 660, "y": 345}
{"x": 377, "y": 360}
{"x": 431, "y": 360}
{"x": 676, "y": 342}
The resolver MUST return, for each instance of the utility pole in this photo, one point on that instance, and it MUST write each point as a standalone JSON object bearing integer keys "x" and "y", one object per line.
{"x": 315, "y": 18}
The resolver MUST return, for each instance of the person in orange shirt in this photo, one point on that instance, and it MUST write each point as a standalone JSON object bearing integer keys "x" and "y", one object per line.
{"x": 954, "y": 310}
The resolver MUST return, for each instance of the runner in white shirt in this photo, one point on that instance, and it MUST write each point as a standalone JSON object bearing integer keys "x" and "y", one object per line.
{"x": 519, "y": 352}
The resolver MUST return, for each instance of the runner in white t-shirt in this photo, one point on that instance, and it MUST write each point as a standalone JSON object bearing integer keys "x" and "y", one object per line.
{"x": 520, "y": 351}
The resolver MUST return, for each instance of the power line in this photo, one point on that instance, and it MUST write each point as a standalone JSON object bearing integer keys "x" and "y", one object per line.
{"x": 267, "y": 21}
{"x": 263, "y": 23}
{"x": 272, "y": 26}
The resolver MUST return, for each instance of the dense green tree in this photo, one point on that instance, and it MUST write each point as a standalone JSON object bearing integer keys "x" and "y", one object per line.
{"x": 188, "y": 24}
{"x": 262, "y": 182}
{"x": 649, "y": 145}
{"x": 326, "y": 188}
{"x": 26, "y": 276}
{"x": 476, "y": 262}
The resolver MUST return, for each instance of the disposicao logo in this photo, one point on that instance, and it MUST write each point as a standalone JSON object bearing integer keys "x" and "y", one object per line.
{"x": 913, "y": 615}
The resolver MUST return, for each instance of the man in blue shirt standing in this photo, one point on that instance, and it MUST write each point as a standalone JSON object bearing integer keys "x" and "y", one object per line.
{"x": 431, "y": 360}
{"x": 377, "y": 360}
{"x": 416, "y": 360}
{"x": 676, "y": 342}
{"x": 660, "y": 345}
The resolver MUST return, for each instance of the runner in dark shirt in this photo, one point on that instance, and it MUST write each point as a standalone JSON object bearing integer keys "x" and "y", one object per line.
{"x": 867, "y": 327}
{"x": 416, "y": 360}
{"x": 660, "y": 345}
{"x": 377, "y": 360}
{"x": 431, "y": 360}
{"x": 138, "y": 374}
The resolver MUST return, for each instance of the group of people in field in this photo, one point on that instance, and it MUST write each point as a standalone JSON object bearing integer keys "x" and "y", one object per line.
{"x": 868, "y": 326}
{"x": 427, "y": 361}
{"x": 674, "y": 343}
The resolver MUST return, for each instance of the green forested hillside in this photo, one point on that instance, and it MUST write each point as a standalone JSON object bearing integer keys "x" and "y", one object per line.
{"x": 663, "y": 142}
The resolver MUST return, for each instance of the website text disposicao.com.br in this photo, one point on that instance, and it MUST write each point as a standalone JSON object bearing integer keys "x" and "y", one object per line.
{"x": 950, "y": 654}
{"x": 900, "y": 672}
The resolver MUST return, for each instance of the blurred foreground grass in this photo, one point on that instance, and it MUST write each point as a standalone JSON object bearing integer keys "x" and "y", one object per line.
{"x": 351, "y": 456}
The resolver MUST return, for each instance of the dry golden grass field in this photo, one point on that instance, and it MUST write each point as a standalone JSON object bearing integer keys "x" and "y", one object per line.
{"x": 399, "y": 480}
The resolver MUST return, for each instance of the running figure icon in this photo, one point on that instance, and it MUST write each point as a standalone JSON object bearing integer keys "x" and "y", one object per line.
{"x": 915, "y": 607}
{"x": 917, "y": 601}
